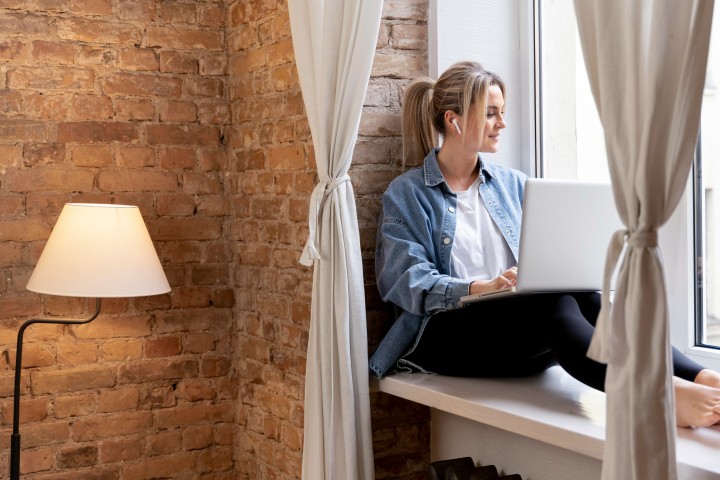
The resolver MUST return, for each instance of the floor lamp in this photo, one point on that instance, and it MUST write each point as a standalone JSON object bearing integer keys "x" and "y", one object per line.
{"x": 95, "y": 251}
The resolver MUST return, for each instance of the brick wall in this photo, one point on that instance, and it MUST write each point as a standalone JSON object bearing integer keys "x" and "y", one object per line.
{"x": 125, "y": 102}
{"x": 274, "y": 173}
{"x": 191, "y": 110}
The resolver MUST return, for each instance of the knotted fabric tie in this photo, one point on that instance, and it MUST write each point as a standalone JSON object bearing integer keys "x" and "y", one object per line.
{"x": 599, "y": 346}
{"x": 317, "y": 200}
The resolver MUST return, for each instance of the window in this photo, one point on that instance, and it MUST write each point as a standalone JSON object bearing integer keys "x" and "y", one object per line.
{"x": 707, "y": 203}
{"x": 554, "y": 131}
{"x": 572, "y": 146}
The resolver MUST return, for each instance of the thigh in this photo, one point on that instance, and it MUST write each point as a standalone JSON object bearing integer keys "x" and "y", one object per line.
{"x": 487, "y": 339}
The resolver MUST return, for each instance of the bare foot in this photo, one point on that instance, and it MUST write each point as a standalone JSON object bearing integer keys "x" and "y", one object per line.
{"x": 708, "y": 377}
{"x": 696, "y": 405}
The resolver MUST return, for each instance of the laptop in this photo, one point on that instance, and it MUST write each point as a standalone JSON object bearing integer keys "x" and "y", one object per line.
{"x": 566, "y": 230}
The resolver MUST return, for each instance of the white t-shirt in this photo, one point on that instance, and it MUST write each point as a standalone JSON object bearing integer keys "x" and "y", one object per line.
{"x": 479, "y": 251}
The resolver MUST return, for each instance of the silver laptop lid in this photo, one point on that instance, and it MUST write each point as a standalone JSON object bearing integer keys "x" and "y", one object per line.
{"x": 566, "y": 229}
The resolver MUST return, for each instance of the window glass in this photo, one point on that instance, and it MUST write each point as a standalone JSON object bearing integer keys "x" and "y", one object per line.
{"x": 573, "y": 144}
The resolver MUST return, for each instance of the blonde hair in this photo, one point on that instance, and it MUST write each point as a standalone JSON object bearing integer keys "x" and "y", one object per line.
{"x": 461, "y": 87}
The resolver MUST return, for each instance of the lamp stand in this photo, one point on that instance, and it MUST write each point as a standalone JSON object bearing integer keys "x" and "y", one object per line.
{"x": 15, "y": 437}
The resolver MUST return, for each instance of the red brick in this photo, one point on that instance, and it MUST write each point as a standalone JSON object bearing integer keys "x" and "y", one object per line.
{"x": 194, "y": 415}
{"x": 142, "y": 84}
{"x": 213, "y": 65}
{"x": 105, "y": 327}
{"x": 92, "y": 7}
{"x": 201, "y": 184}
{"x": 139, "y": 59}
{"x": 135, "y": 157}
{"x": 184, "y": 38}
{"x": 106, "y": 426}
{"x": 51, "y": 78}
{"x": 177, "y": 158}
{"x": 141, "y": 10}
{"x": 194, "y": 390}
{"x": 214, "y": 366}
{"x": 24, "y": 230}
{"x": 10, "y": 103}
{"x": 178, "y": 62}
{"x": 13, "y": 50}
{"x": 23, "y": 130}
{"x": 191, "y": 297}
{"x": 73, "y": 405}
{"x": 174, "y": 111}
{"x": 92, "y": 132}
{"x": 78, "y": 456}
{"x": 199, "y": 342}
{"x": 121, "y": 350}
{"x": 38, "y": 460}
{"x": 71, "y": 380}
{"x": 163, "y": 443}
{"x": 162, "y": 346}
{"x": 35, "y": 154}
{"x": 215, "y": 113}
{"x": 206, "y": 87}
{"x": 9, "y": 155}
{"x": 191, "y": 320}
{"x": 197, "y": 438}
{"x": 118, "y": 400}
{"x": 46, "y": 107}
{"x": 45, "y": 433}
{"x": 171, "y": 466}
{"x": 75, "y": 353}
{"x": 157, "y": 369}
{"x": 199, "y": 135}
{"x": 119, "y": 449}
{"x": 89, "y": 30}
{"x": 90, "y": 107}
{"x": 134, "y": 109}
{"x": 215, "y": 459}
{"x": 175, "y": 206}
{"x": 179, "y": 13}
{"x": 48, "y": 180}
{"x": 213, "y": 206}
{"x": 31, "y": 410}
{"x": 53, "y": 52}
{"x": 92, "y": 156}
{"x": 91, "y": 55}
{"x": 195, "y": 228}
{"x": 136, "y": 181}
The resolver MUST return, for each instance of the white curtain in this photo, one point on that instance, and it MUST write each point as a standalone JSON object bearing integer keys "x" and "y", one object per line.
{"x": 646, "y": 61}
{"x": 334, "y": 43}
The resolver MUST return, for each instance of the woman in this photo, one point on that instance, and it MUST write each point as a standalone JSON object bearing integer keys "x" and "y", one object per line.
{"x": 451, "y": 228}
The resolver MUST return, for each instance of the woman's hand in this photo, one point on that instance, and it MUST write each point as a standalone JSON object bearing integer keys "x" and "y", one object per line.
{"x": 508, "y": 279}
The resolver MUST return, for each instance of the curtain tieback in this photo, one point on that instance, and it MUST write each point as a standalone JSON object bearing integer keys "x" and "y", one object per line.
{"x": 317, "y": 200}
{"x": 599, "y": 345}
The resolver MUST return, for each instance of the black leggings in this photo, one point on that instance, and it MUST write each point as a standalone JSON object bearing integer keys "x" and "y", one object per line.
{"x": 521, "y": 336}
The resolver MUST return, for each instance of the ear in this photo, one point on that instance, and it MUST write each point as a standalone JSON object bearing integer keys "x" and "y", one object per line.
{"x": 449, "y": 115}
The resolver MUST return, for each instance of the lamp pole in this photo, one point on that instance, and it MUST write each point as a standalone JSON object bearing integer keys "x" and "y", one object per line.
{"x": 15, "y": 437}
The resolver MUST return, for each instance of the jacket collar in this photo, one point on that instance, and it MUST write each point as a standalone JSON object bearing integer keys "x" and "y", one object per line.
{"x": 433, "y": 175}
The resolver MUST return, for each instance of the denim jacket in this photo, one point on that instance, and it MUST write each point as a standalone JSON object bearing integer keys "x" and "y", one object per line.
{"x": 415, "y": 237}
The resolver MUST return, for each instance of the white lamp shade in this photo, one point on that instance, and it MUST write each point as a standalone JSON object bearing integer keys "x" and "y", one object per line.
{"x": 99, "y": 251}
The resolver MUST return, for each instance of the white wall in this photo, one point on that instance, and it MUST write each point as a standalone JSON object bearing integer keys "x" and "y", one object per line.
{"x": 498, "y": 34}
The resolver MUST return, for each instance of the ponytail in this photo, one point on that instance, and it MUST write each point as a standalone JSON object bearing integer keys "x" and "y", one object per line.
{"x": 418, "y": 137}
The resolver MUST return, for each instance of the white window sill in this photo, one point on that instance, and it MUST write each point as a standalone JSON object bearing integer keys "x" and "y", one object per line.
{"x": 552, "y": 408}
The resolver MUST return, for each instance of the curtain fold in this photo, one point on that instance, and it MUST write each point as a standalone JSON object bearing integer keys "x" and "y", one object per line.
{"x": 334, "y": 45}
{"x": 646, "y": 61}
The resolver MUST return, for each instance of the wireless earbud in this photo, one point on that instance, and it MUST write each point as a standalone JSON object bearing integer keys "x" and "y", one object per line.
{"x": 457, "y": 127}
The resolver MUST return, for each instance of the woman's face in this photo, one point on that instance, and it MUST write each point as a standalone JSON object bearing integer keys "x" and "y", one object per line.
{"x": 494, "y": 122}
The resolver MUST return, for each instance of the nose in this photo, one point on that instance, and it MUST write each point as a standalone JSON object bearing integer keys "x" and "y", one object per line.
{"x": 501, "y": 121}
